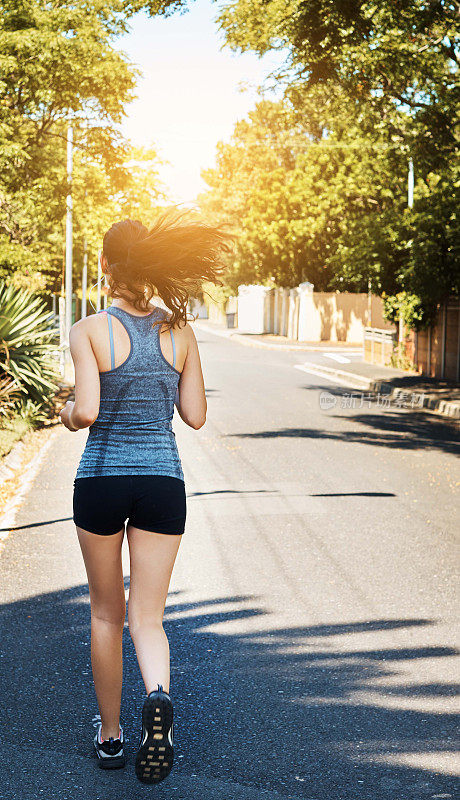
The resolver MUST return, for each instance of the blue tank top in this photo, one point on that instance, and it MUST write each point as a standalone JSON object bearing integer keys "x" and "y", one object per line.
{"x": 133, "y": 433}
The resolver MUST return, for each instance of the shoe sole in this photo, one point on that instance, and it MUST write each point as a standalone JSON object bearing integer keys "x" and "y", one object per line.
{"x": 154, "y": 759}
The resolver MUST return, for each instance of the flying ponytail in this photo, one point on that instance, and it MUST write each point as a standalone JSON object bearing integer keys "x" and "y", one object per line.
{"x": 170, "y": 259}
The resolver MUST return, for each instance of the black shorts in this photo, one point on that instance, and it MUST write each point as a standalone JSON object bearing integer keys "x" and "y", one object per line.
{"x": 151, "y": 502}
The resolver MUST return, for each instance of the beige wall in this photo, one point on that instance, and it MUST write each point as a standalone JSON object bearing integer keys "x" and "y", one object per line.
{"x": 216, "y": 313}
{"x": 342, "y": 317}
{"x": 315, "y": 316}
{"x": 324, "y": 316}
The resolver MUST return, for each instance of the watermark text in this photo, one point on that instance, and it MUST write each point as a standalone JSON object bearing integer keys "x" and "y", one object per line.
{"x": 356, "y": 400}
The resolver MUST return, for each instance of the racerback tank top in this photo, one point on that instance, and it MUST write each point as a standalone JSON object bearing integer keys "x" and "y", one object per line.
{"x": 133, "y": 434}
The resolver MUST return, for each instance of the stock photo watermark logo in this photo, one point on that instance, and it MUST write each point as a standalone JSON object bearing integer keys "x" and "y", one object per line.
{"x": 328, "y": 401}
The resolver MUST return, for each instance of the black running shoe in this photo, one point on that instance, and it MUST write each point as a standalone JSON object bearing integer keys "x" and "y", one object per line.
{"x": 109, "y": 751}
{"x": 155, "y": 755}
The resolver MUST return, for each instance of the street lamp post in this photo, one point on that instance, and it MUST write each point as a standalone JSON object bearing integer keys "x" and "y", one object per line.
{"x": 99, "y": 278}
{"x": 84, "y": 278}
{"x": 68, "y": 241}
{"x": 410, "y": 184}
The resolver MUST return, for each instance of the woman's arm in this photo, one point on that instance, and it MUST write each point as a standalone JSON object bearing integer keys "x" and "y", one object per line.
{"x": 191, "y": 399}
{"x": 82, "y": 412}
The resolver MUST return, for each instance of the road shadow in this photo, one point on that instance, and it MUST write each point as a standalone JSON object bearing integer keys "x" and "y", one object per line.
{"x": 228, "y": 492}
{"x": 293, "y": 710}
{"x": 407, "y": 432}
{"x": 36, "y": 524}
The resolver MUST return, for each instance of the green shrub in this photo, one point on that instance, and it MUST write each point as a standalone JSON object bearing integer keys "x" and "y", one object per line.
{"x": 28, "y": 377}
{"x": 415, "y": 313}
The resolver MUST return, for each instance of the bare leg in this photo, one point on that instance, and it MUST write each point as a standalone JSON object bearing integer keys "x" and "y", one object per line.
{"x": 152, "y": 557}
{"x": 102, "y": 557}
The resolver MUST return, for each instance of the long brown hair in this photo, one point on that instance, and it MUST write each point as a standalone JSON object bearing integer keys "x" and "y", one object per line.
{"x": 171, "y": 259}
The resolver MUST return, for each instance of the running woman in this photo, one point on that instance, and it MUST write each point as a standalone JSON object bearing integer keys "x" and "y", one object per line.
{"x": 134, "y": 362}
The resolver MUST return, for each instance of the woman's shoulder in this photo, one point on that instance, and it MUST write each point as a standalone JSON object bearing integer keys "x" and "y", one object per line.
{"x": 90, "y": 325}
{"x": 92, "y": 320}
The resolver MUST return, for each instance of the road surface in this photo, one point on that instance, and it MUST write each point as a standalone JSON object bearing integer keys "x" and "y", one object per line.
{"x": 311, "y": 612}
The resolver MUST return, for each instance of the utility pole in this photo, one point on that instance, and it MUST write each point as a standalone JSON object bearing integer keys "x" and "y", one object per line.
{"x": 369, "y": 302}
{"x": 84, "y": 278}
{"x": 99, "y": 276}
{"x": 410, "y": 184}
{"x": 106, "y": 286}
{"x": 68, "y": 241}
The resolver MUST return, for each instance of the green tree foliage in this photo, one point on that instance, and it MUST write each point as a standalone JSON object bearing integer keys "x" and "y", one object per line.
{"x": 305, "y": 206}
{"x": 394, "y": 51}
{"x": 254, "y": 186}
{"x": 367, "y": 86}
{"x": 57, "y": 60}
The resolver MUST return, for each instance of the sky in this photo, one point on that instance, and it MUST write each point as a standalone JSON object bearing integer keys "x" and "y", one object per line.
{"x": 188, "y": 95}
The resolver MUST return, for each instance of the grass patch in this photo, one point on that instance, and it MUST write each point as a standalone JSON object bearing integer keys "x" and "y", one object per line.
{"x": 11, "y": 432}
{"x": 16, "y": 427}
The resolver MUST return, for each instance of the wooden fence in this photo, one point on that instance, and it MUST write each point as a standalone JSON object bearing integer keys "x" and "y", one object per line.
{"x": 435, "y": 352}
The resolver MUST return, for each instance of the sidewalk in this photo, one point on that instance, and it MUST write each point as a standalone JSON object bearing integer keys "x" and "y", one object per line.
{"x": 439, "y": 396}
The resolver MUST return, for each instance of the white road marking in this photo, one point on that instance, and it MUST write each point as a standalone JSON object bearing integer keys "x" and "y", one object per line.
{"x": 336, "y": 357}
{"x": 333, "y": 378}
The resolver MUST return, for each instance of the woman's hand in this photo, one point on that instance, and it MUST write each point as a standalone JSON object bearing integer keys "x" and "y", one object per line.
{"x": 64, "y": 415}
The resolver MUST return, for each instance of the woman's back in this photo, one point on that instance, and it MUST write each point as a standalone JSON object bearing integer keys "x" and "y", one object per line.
{"x": 132, "y": 433}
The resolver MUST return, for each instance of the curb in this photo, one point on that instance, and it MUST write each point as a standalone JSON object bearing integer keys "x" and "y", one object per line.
{"x": 439, "y": 405}
{"x": 8, "y": 516}
{"x": 446, "y": 408}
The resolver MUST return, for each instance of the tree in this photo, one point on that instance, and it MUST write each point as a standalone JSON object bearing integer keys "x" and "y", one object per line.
{"x": 377, "y": 82}
{"x": 307, "y": 207}
{"x": 57, "y": 60}
{"x": 396, "y": 52}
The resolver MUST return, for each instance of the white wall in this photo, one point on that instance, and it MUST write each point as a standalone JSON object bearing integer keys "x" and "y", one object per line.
{"x": 251, "y": 308}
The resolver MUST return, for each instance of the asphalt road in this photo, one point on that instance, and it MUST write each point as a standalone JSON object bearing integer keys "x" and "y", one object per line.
{"x": 311, "y": 612}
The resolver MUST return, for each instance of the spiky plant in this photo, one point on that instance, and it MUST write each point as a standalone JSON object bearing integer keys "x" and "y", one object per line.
{"x": 26, "y": 344}
{"x": 9, "y": 394}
